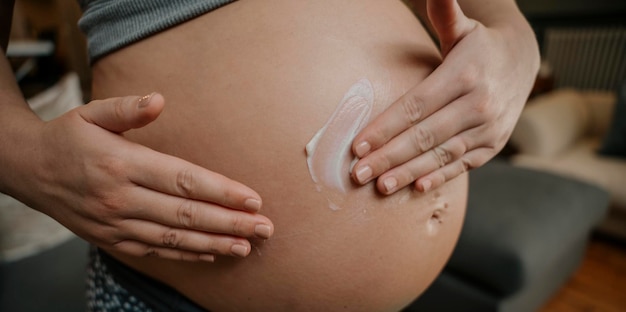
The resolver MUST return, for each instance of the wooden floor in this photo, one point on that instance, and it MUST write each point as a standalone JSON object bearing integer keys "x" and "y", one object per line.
{"x": 599, "y": 285}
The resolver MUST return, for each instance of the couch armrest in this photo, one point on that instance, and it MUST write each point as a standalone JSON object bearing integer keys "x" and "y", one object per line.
{"x": 550, "y": 123}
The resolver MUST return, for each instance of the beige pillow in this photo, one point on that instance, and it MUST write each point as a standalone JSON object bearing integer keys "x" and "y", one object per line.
{"x": 550, "y": 123}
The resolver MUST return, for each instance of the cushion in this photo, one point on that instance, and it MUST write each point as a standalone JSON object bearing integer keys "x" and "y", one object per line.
{"x": 550, "y": 123}
{"x": 615, "y": 140}
{"x": 58, "y": 99}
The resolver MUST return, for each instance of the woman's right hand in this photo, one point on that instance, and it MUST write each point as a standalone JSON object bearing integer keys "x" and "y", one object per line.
{"x": 125, "y": 197}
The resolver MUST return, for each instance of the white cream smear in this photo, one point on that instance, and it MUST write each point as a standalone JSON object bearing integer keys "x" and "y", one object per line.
{"x": 329, "y": 153}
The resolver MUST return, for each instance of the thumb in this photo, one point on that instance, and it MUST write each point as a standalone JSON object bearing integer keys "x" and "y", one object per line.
{"x": 123, "y": 113}
{"x": 449, "y": 22}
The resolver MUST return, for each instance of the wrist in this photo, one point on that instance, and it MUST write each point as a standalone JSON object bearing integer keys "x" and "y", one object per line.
{"x": 20, "y": 139}
{"x": 521, "y": 40}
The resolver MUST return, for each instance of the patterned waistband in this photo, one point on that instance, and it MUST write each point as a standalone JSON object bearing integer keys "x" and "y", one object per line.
{"x": 113, "y": 286}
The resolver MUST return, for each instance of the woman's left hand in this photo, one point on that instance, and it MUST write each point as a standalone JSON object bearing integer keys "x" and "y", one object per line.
{"x": 461, "y": 115}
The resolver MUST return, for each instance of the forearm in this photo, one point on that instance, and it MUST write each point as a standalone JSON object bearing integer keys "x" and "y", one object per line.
{"x": 13, "y": 108}
{"x": 19, "y": 124}
{"x": 17, "y": 133}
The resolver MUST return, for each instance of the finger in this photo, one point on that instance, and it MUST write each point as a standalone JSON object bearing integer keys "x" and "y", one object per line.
{"x": 197, "y": 215}
{"x": 123, "y": 113}
{"x": 479, "y": 148}
{"x": 414, "y": 106}
{"x": 449, "y": 22}
{"x": 161, "y": 236}
{"x": 139, "y": 249}
{"x": 439, "y": 127}
{"x": 174, "y": 176}
{"x": 472, "y": 159}
{"x": 436, "y": 158}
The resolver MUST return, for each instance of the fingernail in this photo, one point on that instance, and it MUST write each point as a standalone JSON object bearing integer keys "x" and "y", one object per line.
{"x": 263, "y": 231}
{"x": 144, "y": 100}
{"x": 239, "y": 250}
{"x": 207, "y": 258}
{"x": 252, "y": 204}
{"x": 362, "y": 149}
{"x": 390, "y": 184}
{"x": 426, "y": 185}
{"x": 363, "y": 174}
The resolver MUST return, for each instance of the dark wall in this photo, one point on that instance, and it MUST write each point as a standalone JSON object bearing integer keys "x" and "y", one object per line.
{"x": 544, "y": 14}
{"x": 572, "y": 8}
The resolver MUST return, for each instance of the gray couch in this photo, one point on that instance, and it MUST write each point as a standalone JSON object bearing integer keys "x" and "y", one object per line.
{"x": 563, "y": 132}
{"x": 525, "y": 233}
{"x": 53, "y": 280}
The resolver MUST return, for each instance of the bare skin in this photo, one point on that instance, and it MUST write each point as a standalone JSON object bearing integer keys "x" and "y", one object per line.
{"x": 462, "y": 115}
{"x": 116, "y": 194}
{"x": 244, "y": 101}
{"x": 116, "y": 217}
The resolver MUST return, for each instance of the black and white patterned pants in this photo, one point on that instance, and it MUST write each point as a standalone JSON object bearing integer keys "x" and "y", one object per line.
{"x": 113, "y": 286}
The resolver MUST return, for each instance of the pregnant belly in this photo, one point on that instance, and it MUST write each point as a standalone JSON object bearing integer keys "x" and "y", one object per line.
{"x": 247, "y": 88}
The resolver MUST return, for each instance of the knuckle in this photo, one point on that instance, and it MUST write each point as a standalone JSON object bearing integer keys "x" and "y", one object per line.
{"x": 466, "y": 164}
{"x": 455, "y": 147}
{"x": 188, "y": 256}
{"x": 227, "y": 196}
{"x": 484, "y": 105}
{"x": 485, "y": 109}
{"x": 103, "y": 237}
{"x": 112, "y": 204}
{"x": 185, "y": 183}
{"x": 111, "y": 165}
{"x": 437, "y": 178}
{"x": 469, "y": 77}
{"x": 442, "y": 156}
{"x": 119, "y": 111}
{"x": 108, "y": 201}
{"x": 380, "y": 162}
{"x": 186, "y": 213}
{"x": 238, "y": 226}
{"x": 406, "y": 176}
{"x": 120, "y": 246}
{"x": 151, "y": 252}
{"x": 105, "y": 182}
{"x": 463, "y": 143}
{"x": 422, "y": 139}
{"x": 212, "y": 247}
{"x": 413, "y": 107}
{"x": 378, "y": 135}
{"x": 171, "y": 238}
